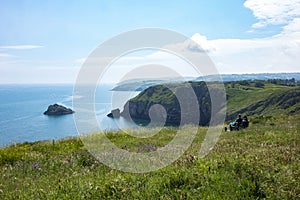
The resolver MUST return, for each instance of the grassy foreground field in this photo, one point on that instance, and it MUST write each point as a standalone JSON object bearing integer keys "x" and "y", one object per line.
{"x": 262, "y": 161}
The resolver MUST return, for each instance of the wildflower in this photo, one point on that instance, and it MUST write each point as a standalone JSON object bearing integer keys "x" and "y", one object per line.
{"x": 35, "y": 165}
{"x": 149, "y": 147}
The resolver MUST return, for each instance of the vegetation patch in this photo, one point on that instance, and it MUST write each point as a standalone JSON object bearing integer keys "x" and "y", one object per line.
{"x": 255, "y": 163}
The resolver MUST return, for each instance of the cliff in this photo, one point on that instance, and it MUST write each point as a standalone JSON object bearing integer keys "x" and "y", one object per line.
{"x": 166, "y": 96}
{"x": 243, "y": 97}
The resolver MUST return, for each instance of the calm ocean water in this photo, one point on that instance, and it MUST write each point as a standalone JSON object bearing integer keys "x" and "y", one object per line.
{"x": 22, "y": 107}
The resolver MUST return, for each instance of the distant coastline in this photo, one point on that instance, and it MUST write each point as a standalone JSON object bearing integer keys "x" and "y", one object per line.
{"x": 142, "y": 84}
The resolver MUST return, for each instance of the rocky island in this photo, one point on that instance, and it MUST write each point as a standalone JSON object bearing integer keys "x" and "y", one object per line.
{"x": 114, "y": 113}
{"x": 57, "y": 110}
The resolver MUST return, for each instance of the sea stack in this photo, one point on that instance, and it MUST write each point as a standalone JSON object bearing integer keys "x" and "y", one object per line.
{"x": 57, "y": 110}
{"x": 114, "y": 113}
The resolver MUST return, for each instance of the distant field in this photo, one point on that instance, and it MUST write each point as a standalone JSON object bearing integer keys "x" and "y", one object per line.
{"x": 266, "y": 99}
{"x": 262, "y": 161}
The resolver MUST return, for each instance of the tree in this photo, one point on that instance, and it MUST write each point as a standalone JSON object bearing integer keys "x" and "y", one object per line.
{"x": 259, "y": 84}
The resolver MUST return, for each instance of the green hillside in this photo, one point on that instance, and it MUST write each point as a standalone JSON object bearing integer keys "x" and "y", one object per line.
{"x": 243, "y": 97}
{"x": 261, "y": 97}
{"x": 256, "y": 163}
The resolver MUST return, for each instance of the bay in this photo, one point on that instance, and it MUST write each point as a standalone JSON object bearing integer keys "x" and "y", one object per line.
{"x": 22, "y": 107}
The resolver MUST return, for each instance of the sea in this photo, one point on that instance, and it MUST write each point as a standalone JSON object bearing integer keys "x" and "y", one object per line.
{"x": 22, "y": 107}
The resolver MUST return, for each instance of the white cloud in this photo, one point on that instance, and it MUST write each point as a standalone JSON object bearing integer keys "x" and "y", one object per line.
{"x": 205, "y": 45}
{"x": 277, "y": 53}
{"x": 21, "y": 47}
{"x": 292, "y": 27}
{"x": 273, "y": 12}
{"x": 5, "y": 55}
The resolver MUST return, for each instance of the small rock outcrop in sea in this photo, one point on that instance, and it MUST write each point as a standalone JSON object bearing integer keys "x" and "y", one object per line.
{"x": 114, "y": 113}
{"x": 57, "y": 110}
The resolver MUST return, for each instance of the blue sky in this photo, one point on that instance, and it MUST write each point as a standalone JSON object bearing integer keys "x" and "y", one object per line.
{"x": 46, "y": 41}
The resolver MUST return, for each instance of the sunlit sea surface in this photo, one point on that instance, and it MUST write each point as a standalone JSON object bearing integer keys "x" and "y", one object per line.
{"x": 22, "y": 107}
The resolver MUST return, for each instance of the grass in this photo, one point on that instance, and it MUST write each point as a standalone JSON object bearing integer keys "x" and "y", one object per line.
{"x": 243, "y": 97}
{"x": 237, "y": 94}
{"x": 262, "y": 161}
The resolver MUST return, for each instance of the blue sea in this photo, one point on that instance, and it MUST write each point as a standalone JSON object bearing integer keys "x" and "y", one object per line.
{"x": 22, "y": 107}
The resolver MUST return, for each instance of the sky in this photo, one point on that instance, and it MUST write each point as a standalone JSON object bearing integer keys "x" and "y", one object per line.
{"x": 48, "y": 41}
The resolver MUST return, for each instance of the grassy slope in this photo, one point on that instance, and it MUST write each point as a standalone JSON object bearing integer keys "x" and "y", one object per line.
{"x": 241, "y": 97}
{"x": 261, "y": 161}
{"x": 244, "y": 99}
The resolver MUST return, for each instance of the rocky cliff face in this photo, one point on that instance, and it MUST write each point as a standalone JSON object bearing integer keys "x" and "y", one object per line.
{"x": 246, "y": 100}
{"x": 143, "y": 106}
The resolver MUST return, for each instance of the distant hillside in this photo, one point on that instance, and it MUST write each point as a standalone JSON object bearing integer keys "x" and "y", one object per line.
{"x": 142, "y": 84}
{"x": 259, "y": 76}
{"x": 261, "y": 97}
{"x": 243, "y": 97}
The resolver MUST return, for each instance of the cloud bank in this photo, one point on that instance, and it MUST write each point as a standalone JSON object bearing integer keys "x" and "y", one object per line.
{"x": 273, "y": 12}
{"x": 277, "y": 53}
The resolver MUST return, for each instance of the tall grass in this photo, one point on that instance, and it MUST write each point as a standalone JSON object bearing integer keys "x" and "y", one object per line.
{"x": 262, "y": 161}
